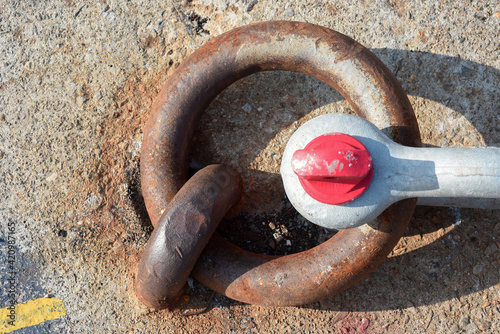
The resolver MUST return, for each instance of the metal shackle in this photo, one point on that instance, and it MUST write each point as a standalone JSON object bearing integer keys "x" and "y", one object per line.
{"x": 435, "y": 175}
{"x": 364, "y": 81}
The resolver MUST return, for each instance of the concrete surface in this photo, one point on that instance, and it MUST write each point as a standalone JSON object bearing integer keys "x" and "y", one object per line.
{"x": 76, "y": 83}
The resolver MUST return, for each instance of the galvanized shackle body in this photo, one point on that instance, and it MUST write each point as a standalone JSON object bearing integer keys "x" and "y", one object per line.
{"x": 350, "y": 255}
{"x": 460, "y": 177}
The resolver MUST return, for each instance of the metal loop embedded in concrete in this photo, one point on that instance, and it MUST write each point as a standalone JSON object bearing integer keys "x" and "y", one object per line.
{"x": 339, "y": 61}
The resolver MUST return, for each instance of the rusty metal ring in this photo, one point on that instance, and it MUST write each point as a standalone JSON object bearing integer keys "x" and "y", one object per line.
{"x": 363, "y": 80}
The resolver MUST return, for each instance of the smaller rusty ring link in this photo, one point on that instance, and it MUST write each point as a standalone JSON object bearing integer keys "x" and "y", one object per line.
{"x": 182, "y": 233}
{"x": 363, "y": 80}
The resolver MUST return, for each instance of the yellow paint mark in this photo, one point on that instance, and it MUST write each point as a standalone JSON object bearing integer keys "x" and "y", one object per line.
{"x": 32, "y": 313}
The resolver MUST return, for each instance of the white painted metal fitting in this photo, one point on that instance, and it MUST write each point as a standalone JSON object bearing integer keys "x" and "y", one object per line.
{"x": 466, "y": 177}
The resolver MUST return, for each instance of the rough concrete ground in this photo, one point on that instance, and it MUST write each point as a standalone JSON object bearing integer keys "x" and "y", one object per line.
{"x": 76, "y": 83}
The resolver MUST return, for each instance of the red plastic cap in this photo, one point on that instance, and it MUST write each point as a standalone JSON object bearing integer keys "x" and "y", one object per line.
{"x": 334, "y": 169}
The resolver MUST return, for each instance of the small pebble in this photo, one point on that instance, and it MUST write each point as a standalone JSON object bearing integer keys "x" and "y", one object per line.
{"x": 483, "y": 325}
{"x": 190, "y": 282}
{"x": 278, "y": 237}
{"x": 80, "y": 100}
{"x": 272, "y": 226}
{"x": 364, "y": 324}
{"x": 51, "y": 177}
{"x": 289, "y": 12}
{"x": 492, "y": 248}
{"x": 464, "y": 321}
{"x": 251, "y": 5}
{"x": 478, "y": 269}
{"x": 246, "y": 107}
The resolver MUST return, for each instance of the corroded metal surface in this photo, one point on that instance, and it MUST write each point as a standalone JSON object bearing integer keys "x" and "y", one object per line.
{"x": 182, "y": 233}
{"x": 337, "y": 60}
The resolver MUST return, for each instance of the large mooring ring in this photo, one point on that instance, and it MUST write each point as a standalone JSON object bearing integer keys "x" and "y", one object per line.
{"x": 362, "y": 79}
